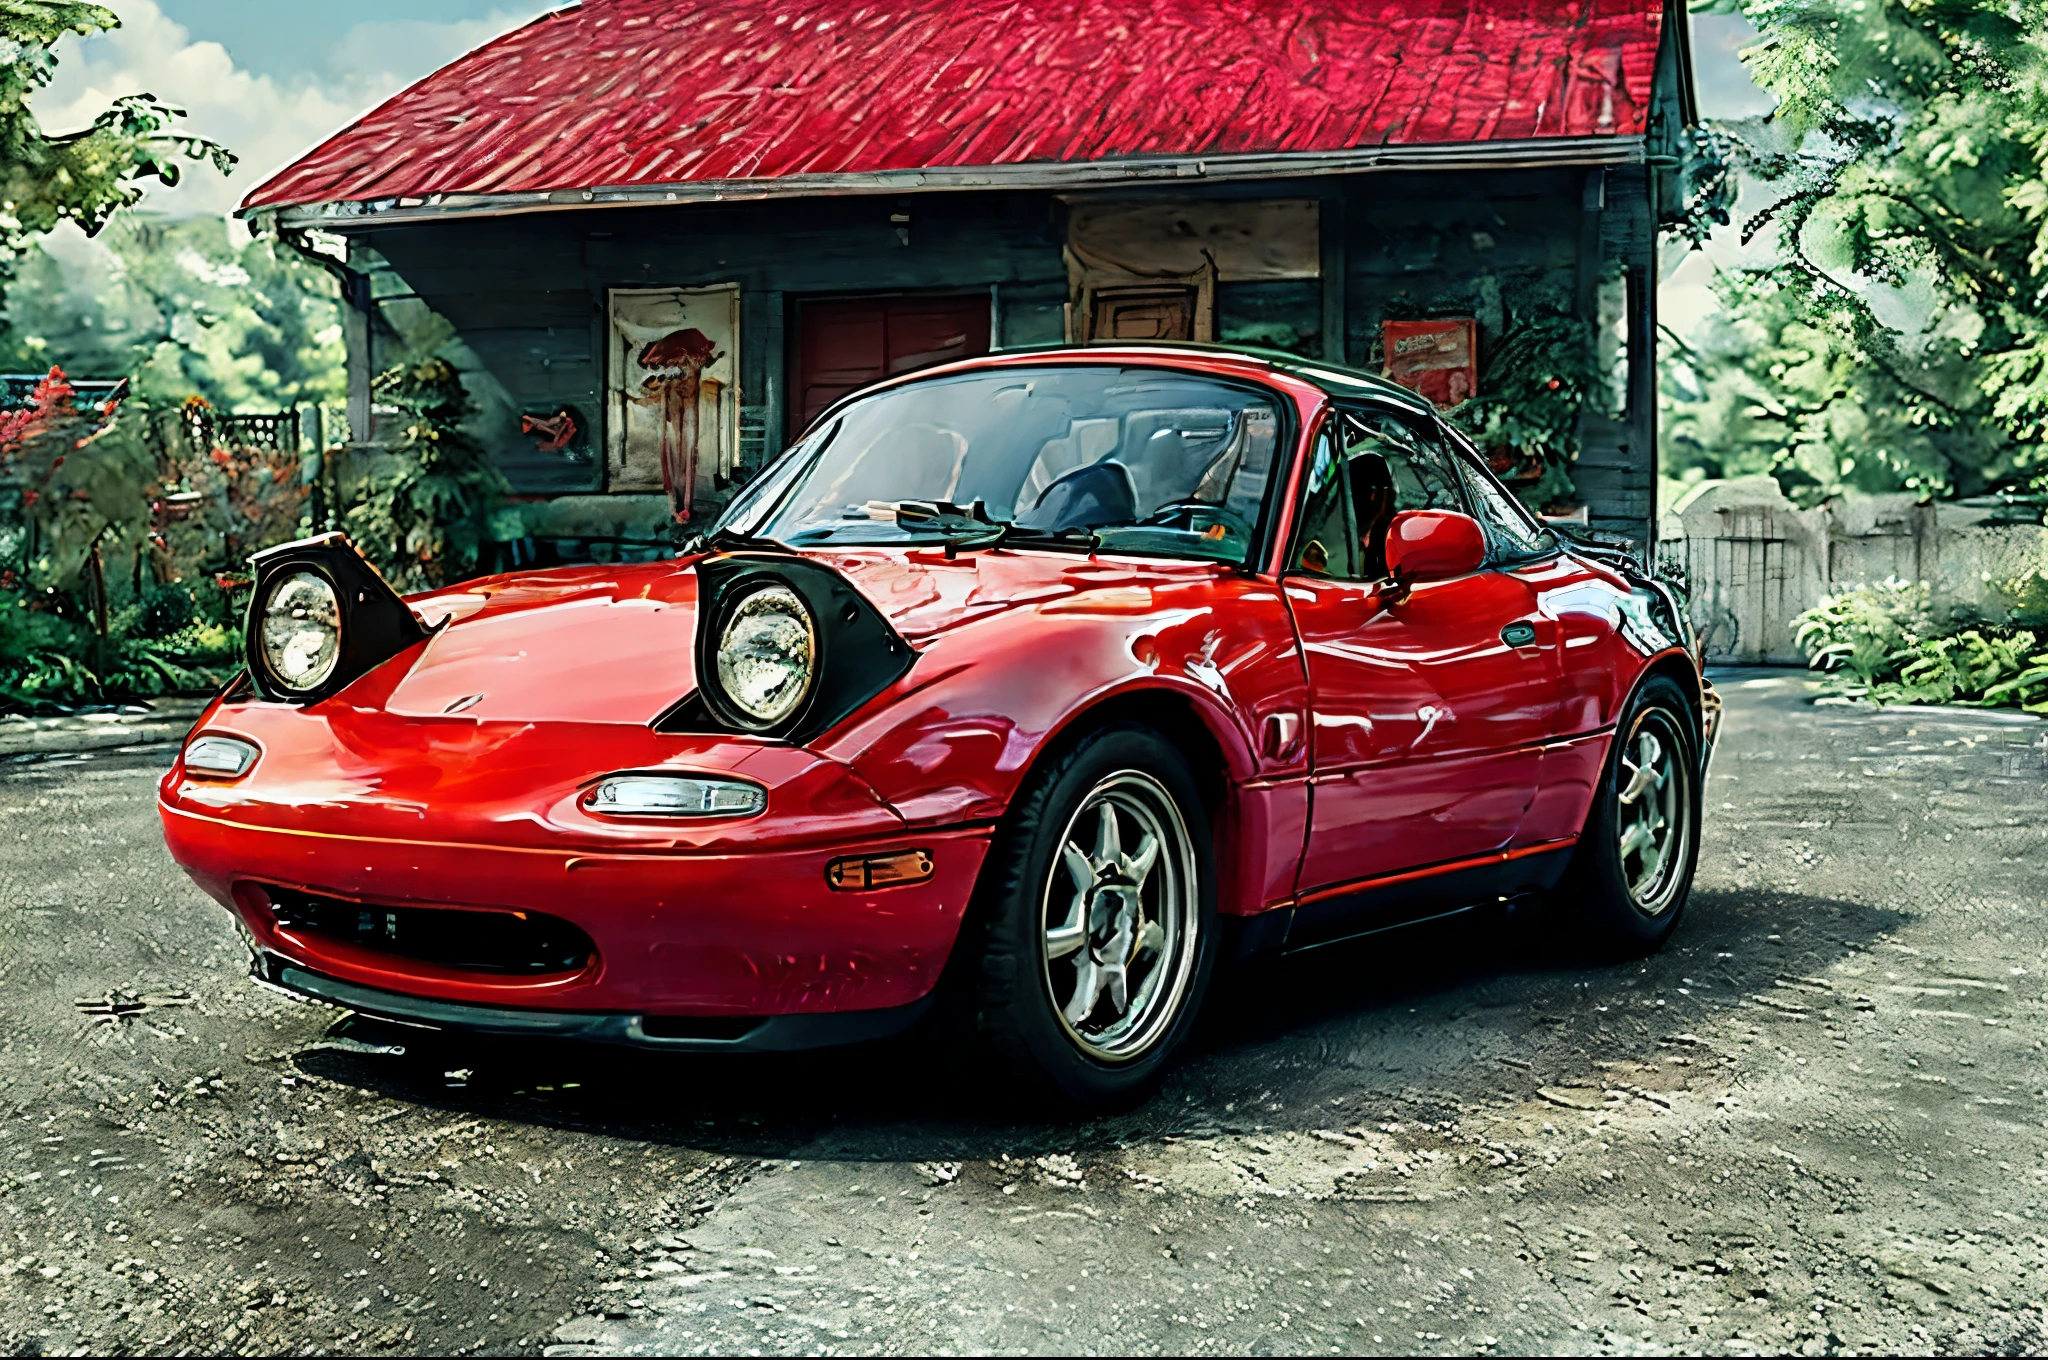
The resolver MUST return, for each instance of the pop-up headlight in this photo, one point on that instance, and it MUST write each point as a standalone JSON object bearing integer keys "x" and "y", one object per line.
{"x": 320, "y": 619}
{"x": 786, "y": 647}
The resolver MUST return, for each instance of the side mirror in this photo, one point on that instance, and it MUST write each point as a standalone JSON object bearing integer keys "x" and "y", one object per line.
{"x": 1434, "y": 545}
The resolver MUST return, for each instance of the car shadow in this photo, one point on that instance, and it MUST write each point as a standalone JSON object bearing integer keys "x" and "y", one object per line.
{"x": 1389, "y": 1020}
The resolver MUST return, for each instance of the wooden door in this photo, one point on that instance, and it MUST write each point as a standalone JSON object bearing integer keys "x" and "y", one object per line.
{"x": 843, "y": 344}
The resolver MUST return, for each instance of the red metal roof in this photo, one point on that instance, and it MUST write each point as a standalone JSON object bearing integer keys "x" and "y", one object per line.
{"x": 616, "y": 93}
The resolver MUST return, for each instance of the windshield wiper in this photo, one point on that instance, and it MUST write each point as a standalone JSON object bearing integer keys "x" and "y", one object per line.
{"x": 923, "y": 513}
{"x": 1007, "y": 535}
{"x": 732, "y": 540}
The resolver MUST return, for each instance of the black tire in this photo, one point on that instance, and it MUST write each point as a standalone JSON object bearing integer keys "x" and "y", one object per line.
{"x": 1029, "y": 878}
{"x": 1618, "y": 903}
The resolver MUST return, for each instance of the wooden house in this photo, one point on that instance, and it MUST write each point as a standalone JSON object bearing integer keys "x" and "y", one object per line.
{"x": 663, "y": 234}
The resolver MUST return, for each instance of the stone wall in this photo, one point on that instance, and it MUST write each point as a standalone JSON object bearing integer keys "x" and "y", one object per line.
{"x": 1753, "y": 560}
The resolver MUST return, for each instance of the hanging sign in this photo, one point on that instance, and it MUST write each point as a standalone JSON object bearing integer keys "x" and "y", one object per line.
{"x": 1439, "y": 358}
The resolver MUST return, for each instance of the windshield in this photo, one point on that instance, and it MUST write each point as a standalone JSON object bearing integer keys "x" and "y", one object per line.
{"x": 1138, "y": 460}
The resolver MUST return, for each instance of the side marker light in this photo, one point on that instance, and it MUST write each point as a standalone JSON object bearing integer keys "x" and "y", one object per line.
{"x": 860, "y": 873}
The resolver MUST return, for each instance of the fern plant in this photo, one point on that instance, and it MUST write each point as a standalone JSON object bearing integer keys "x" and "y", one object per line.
{"x": 1864, "y": 632}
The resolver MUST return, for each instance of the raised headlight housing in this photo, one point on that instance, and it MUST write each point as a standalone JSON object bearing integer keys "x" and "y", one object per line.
{"x": 786, "y": 648}
{"x": 320, "y": 618}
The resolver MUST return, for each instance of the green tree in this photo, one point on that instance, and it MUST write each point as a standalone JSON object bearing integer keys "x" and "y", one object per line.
{"x": 425, "y": 514}
{"x": 84, "y": 176}
{"x": 178, "y": 307}
{"x": 1897, "y": 340}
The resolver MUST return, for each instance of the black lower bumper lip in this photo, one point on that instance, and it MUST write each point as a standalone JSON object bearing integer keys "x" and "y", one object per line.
{"x": 764, "y": 1034}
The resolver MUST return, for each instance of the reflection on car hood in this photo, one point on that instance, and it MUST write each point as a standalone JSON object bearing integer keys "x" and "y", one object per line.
{"x": 615, "y": 643}
{"x": 583, "y": 644}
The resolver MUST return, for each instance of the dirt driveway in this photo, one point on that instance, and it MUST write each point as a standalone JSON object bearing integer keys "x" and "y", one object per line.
{"x": 1817, "y": 1123}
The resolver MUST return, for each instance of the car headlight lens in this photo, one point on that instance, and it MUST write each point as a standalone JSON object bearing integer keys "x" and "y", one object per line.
{"x": 220, "y": 757}
{"x": 301, "y": 630}
{"x": 656, "y": 795}
{"x": 768, "y": 654}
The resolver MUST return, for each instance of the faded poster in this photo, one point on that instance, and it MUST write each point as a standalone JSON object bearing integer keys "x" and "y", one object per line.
{"x": 1439, "y": 359}
{"x": 672, "y": 393}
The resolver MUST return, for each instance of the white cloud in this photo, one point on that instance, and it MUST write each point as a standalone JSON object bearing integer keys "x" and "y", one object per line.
{"x": 267, "y": 123}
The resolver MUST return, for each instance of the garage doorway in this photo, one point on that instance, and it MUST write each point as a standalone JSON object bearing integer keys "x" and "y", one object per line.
{"x": 843, "y": 344}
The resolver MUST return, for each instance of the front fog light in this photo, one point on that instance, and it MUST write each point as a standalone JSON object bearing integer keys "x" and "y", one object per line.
{"x": 220, "y": 757}
{"x": 657, "y": 795}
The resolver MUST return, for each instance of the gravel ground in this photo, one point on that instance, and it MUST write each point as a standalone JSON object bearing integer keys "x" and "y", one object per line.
{"x": 1814, "y": 1124}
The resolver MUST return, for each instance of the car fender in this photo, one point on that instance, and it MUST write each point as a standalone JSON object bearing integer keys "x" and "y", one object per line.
{"x": 956, "y": 739}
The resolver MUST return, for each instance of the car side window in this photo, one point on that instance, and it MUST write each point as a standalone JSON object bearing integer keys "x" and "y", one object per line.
{"x": 1422, "y": 471}
{"x": 1327, "y": 543}
{"x": 1391, "y": 466}
{"x": 1510, "y": 532}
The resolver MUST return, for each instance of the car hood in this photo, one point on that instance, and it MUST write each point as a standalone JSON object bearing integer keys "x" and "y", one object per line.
{"x": 616, "y": 643}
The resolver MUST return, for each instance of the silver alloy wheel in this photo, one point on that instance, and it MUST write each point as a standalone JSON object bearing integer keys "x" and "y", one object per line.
{"x": 1653, "y": 823}
{"x": 1119, "y": 918}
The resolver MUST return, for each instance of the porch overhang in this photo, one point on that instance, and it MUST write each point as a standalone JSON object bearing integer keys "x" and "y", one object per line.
{"x": 1181, "y": 171}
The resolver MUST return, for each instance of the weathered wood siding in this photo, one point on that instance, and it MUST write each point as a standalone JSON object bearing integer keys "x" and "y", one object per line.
{"x": 526, "y": 294}
{"x": 1507, "y": 249}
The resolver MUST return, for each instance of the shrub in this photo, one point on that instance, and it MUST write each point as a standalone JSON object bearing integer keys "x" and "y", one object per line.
{"x": 425, "y": 516}
{"x": 1862, "y": 631}
{"x": 1883, "y": 643}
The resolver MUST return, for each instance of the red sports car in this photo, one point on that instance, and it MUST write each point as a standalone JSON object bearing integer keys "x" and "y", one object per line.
{"x": 1039, "y": 681}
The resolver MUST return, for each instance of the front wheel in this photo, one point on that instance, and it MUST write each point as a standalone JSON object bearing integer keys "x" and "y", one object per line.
{"x": 1100, "y": 919}
{"x": 1633, "y": 869}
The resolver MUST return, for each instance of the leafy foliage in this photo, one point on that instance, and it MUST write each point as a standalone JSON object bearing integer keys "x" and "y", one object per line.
{"x": 1883, "y": 645}
{"x": 1900, "y": 340}
{"x": 84, "y": 176}
{"x": 425, "y": 515}
{"x": 1860, "y": 631}
{"x": 75, "y": 485}
{"x": 177, "y": 307}
{"x": 1525, "y": 417}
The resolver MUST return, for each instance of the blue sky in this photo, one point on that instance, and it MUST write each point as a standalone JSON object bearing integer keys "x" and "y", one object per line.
{"x": 318, "y": 41}
{"x": 268, "y": 78}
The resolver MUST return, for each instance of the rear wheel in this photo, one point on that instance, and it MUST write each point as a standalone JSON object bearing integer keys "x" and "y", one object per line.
{"x": 1100, "y": 920}
{"x": 1633, "y": 869}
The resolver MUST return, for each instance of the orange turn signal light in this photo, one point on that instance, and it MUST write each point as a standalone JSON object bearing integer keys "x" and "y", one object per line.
{"x": 861, "y": 872}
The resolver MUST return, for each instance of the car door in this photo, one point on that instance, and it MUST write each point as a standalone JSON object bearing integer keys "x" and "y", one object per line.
{"x": 1585, "y": 605}
{"x": 1429, "y": 706}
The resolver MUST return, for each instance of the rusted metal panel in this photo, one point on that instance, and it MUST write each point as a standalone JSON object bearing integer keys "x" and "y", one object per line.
{"x": 637, "y": 94}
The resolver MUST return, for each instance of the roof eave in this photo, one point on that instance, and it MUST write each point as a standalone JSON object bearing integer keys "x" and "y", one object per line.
{"x": 1523, "y": 153}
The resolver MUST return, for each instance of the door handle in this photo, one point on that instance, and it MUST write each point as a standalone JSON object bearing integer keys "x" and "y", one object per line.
{"x": 1520, "y": 633}
{"x": 1282, "y": 736}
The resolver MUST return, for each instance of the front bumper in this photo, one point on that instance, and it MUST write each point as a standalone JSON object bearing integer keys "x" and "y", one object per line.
{"x": 739, "y": 1034}
{"x": 676, "y": 935}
